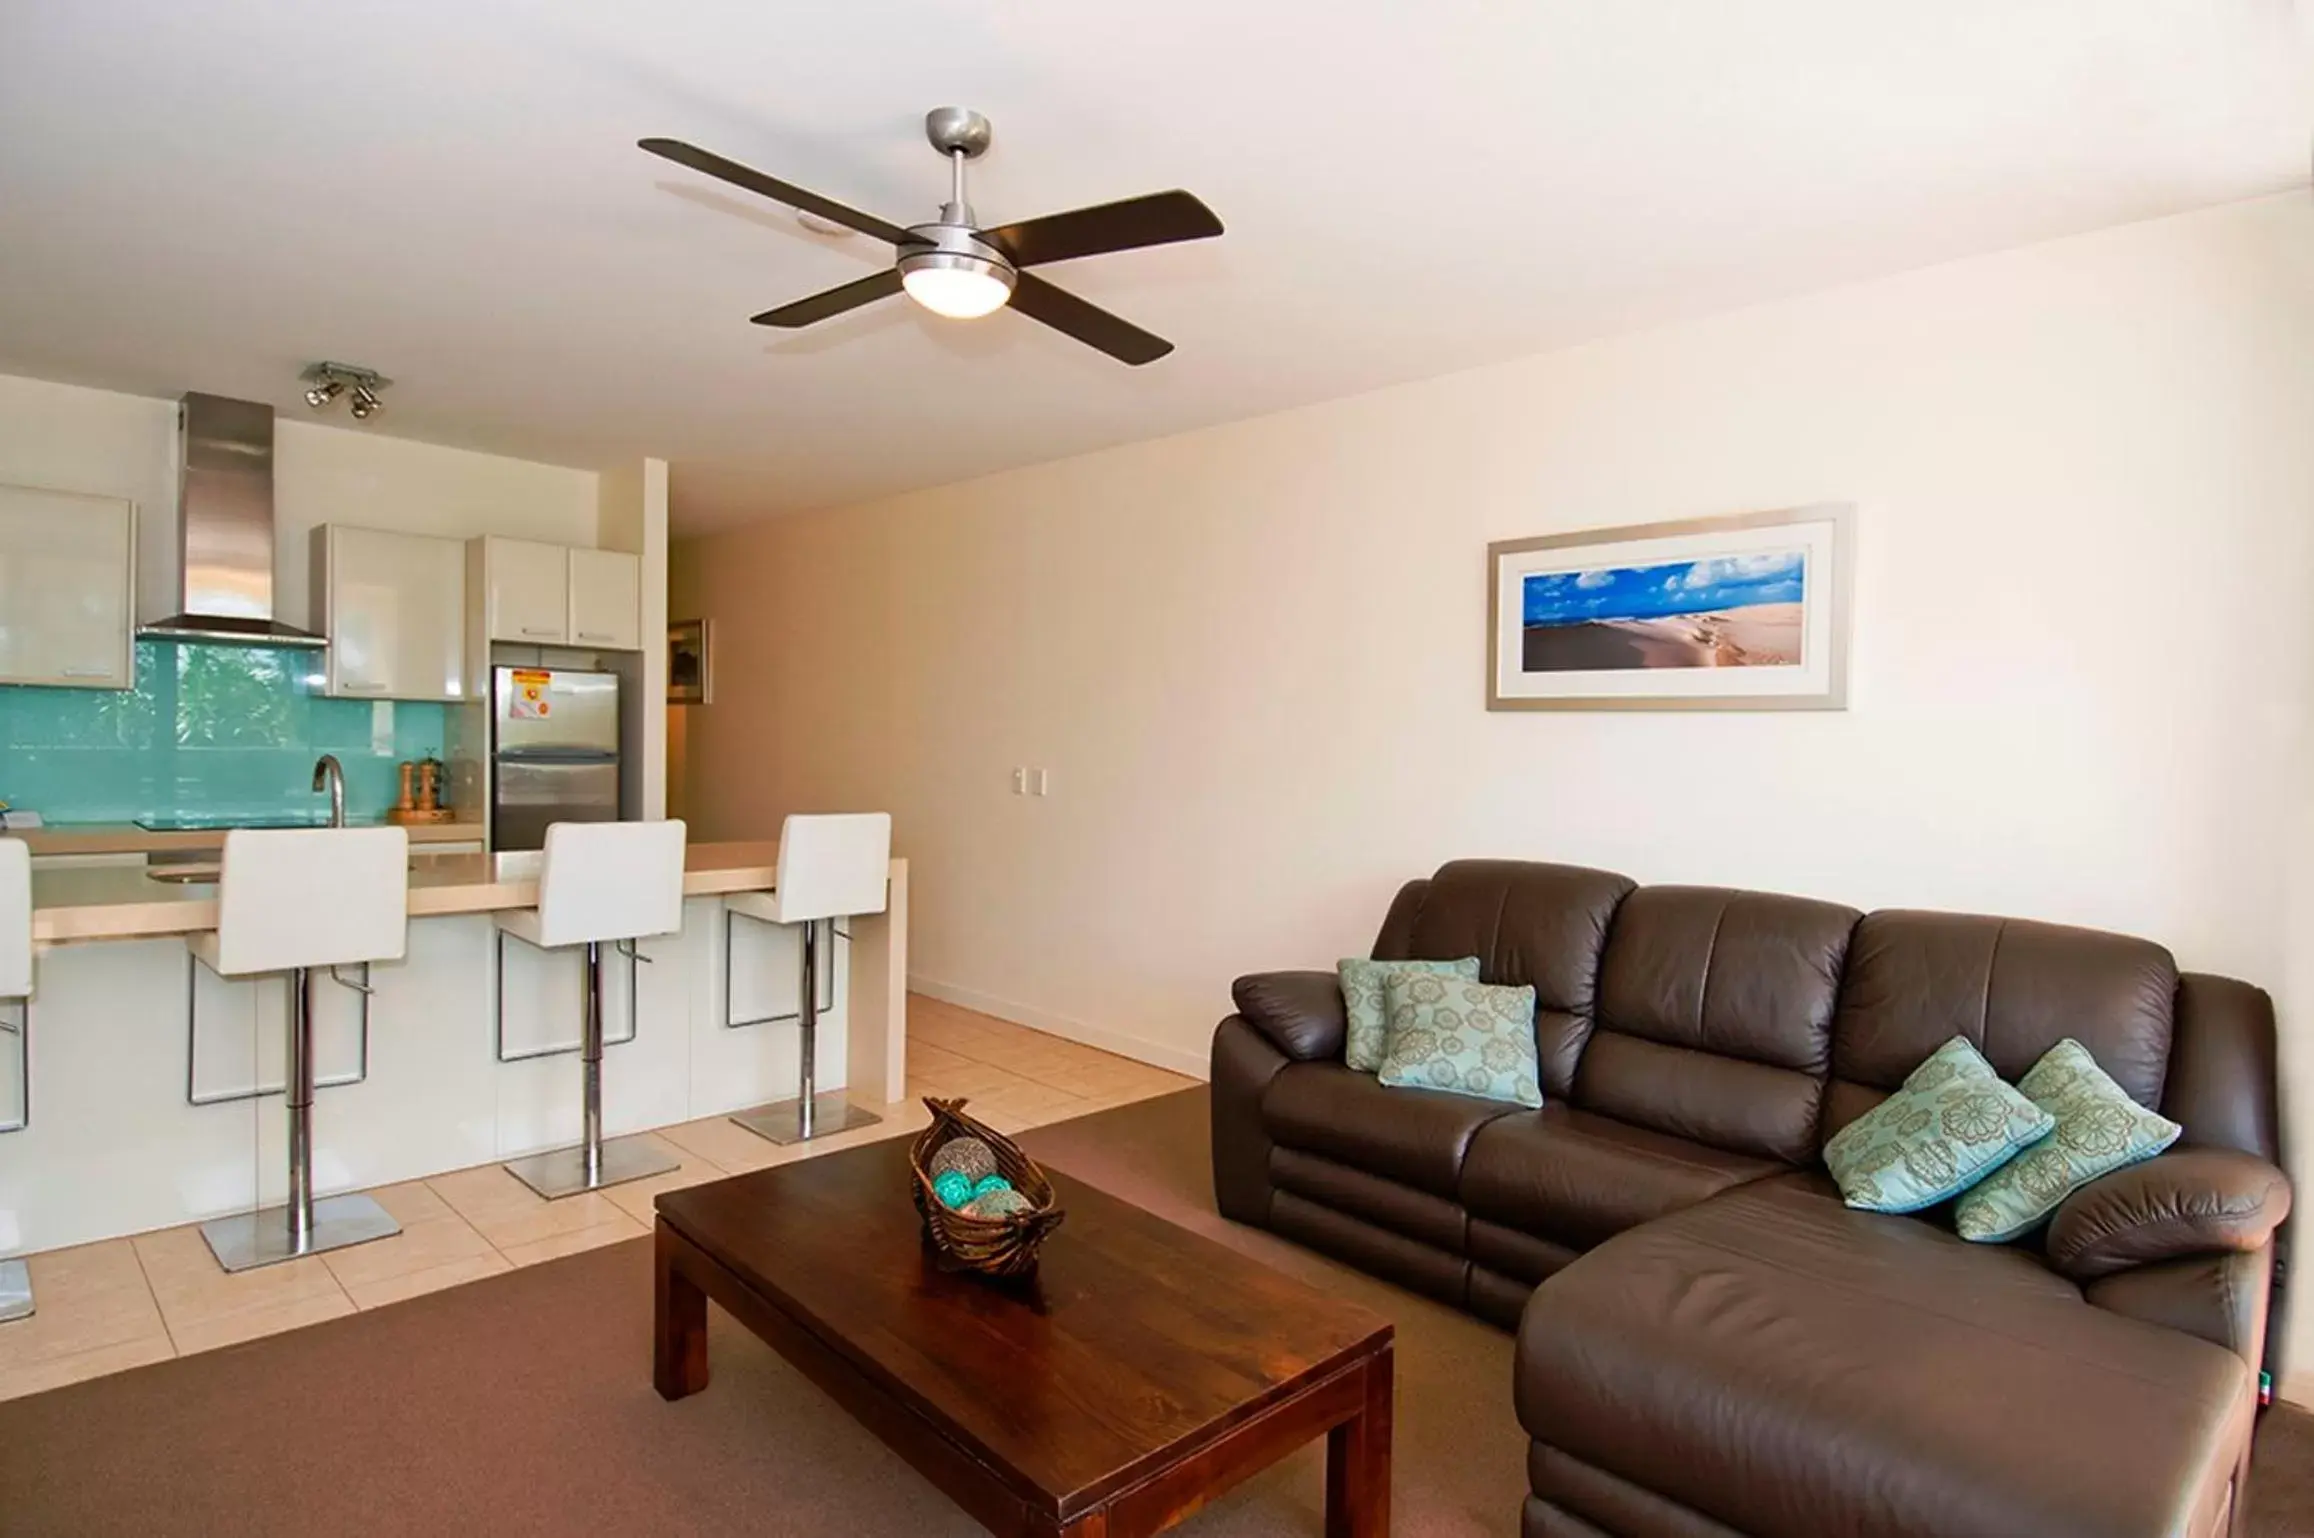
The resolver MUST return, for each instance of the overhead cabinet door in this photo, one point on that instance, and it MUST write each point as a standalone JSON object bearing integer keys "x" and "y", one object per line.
{"x": 67, "y": 589}
{"x": 606, "y": 599}
{"x": 529, "y": 591}
{"x": 394, "y": 606}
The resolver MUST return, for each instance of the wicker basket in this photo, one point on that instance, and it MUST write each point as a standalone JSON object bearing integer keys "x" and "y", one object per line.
{"x": 1004, "y": 1247}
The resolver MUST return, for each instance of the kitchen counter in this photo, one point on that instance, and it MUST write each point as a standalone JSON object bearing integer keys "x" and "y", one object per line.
{"x": 150, "y": 1073}
{"x": 123, "y": 902}
{"x": 127, "y": 838}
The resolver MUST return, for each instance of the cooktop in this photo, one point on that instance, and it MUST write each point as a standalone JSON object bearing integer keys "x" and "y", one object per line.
{"x": 203, "y": 822}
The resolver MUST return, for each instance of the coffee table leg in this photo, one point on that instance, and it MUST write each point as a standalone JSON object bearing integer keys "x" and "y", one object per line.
{"x": 679, "y": 1365}
{"x": 1358, "y": 1462}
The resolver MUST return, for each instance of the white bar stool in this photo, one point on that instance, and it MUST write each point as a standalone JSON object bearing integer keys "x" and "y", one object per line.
{"x": 16, "y": 984}
{"x": 292, "y": 900}
{"x": 830, "y": 867}
{"x": 598, "y": 881}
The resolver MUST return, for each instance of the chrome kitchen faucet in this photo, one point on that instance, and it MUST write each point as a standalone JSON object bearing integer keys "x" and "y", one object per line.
{"x": 329, "y": 774}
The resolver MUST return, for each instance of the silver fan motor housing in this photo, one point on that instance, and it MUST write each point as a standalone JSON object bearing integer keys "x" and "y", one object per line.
{"x": 953, "y": 245}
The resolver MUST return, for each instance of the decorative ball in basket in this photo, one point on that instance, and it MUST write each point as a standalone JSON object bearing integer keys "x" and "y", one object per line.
{"x": 985, "y": 1204}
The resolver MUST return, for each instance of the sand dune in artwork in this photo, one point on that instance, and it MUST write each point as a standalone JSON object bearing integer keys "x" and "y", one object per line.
{"x": 1756, "y": 635}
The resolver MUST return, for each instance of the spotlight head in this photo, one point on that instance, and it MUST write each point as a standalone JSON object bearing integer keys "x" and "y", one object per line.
{"x": 359, "y": 388}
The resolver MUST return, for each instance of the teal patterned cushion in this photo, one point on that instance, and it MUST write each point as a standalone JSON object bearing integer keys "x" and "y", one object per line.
{"x": 1951, "y": 1124}
{"x": 2099, "y": 1129}
{"x": 1462, "y": 1036}
{"x": 1362, "y": 998}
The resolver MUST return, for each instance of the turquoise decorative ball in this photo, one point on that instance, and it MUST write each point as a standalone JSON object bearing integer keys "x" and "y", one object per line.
{"x": 968, "y": 1156}
{"x": 1000, "y": 1202}
{"x": 988, "y": 1183}
{"x": 953, "y": 1189}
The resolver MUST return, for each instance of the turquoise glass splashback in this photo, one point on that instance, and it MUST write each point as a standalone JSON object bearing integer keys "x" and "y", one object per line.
{"x": 217, "y": 730}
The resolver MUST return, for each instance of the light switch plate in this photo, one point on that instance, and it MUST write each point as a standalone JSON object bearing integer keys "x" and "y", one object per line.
{"x": 1020, "y": 782}
{"x": 1040, "y": 780}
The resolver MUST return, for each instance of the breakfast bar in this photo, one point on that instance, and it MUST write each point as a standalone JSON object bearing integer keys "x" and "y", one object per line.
{"x": 154, "y": 1083}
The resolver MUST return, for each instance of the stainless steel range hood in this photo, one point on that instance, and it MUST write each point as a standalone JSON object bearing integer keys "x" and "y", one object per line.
{"x": 225, "y": 528}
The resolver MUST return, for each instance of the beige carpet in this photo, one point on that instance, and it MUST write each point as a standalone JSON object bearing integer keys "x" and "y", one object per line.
{"x": 523, "y": 1404}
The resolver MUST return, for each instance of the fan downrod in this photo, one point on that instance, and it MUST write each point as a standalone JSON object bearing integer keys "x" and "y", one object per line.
{"x": 958, "y": 131}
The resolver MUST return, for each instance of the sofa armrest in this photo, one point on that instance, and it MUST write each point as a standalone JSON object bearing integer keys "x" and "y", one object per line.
{"x": 1301, "y": 1013}
{"x": 2192, "y": 1201}
{"x": 1244, "y": 1064}
{"x": 2221, "y": 1298}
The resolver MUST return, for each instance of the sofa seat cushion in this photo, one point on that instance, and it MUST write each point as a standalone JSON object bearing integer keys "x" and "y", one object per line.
{"x": 1787, "y": 1366}
{"x": 1576, "y": 1177}
{"x": 1434, "y": 1220}
{"x": 1416, "y": 1137}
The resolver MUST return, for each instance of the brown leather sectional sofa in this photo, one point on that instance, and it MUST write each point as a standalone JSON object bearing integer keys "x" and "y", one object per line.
{"x": 1717, "y": 1345}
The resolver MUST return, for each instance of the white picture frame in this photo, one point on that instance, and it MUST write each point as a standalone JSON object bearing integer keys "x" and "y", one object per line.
{"x": 1749, "y": 612}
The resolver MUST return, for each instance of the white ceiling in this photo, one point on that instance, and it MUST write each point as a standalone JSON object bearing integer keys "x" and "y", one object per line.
{"x": 208, "y": 196}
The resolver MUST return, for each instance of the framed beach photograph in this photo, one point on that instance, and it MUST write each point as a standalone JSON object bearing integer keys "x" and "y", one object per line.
{"x": 690, "y": 670}
{"x": 1741, "y": 613}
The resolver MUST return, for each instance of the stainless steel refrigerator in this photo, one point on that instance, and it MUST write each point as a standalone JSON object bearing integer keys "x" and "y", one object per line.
{"x": 554, "y": 752}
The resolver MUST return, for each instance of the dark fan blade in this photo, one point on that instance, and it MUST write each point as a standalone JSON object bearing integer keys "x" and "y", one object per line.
{"x": 773, "y": 188}
{"x": 1159, "y": 219}
{"x": 848, "y": 296}
{"x": 1088, "y": 323}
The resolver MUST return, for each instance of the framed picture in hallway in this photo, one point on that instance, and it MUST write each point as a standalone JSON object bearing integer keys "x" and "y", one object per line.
{"x": 1741, "y": 613}
{"x": 690, "y": 666}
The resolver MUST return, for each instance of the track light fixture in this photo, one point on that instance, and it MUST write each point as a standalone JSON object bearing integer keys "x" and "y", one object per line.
{"x": 327, "y": 381}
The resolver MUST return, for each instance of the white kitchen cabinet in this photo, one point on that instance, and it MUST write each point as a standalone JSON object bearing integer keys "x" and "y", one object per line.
{"x": 394, "y": 609}
{"x": 67, "y": 589}
{"x": 525, "y": 591}
{"x": 533, "y": 594}
{"x": 606, "y": 599}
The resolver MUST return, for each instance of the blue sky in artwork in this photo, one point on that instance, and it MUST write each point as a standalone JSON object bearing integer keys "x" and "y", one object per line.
{"x": 1676, "y": 587}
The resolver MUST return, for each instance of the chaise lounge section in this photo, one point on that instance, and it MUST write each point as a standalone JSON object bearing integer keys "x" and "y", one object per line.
{"x": 1710, "y": 1342}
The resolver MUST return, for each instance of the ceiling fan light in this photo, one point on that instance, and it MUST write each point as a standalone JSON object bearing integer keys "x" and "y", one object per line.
{"x": 956, "y": 285}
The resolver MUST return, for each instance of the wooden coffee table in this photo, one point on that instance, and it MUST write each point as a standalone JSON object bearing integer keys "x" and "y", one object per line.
{"x": 1145, "y": 1371}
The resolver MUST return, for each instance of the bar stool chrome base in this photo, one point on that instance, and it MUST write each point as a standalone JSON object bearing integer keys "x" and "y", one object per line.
{"x": 563, "y": 1172}
{"x": 15, "y": 1290}
{"x": 247, "y": 1240}
{"x": 783, "y": 1122}
{"x": 810, "y": 1114}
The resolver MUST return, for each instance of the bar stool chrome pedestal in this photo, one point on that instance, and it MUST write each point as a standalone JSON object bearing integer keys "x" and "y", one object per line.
{"x": 297, "y": 900}
{"x": 16, "y": 986}
{"x": 830, "y": 867}
{"x": 598, "y": 883}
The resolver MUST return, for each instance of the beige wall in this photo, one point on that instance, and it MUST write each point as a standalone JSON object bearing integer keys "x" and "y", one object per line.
{"x": 1252, "y": 656}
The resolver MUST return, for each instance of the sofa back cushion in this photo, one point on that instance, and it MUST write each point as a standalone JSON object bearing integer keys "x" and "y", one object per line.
{"x": 2013, "y": 987}
{"x": 1714, "y": 1017}
{"x": 1530, "y": 925}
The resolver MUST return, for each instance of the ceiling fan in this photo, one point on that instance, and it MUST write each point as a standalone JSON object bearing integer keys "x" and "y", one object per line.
{"x": 953, "y": 267}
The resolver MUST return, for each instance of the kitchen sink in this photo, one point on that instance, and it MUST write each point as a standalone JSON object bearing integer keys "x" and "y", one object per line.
{"x": 196, "y": 873}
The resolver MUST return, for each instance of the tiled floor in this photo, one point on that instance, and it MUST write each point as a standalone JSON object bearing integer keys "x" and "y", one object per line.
{"x": 126, "y": 1302}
